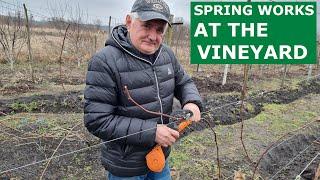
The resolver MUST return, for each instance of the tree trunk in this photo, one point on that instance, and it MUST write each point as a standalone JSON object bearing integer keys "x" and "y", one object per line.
{"x": 9, "y": 59}
{"x": 11, "y": 64}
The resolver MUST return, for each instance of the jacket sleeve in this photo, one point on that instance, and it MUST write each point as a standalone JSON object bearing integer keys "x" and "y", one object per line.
{"x": 101, "y": 101}
{"x": 185, "y": 89}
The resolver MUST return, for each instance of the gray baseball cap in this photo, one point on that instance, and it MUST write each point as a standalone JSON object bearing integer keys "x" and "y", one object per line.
{"x": 151, "y": 9}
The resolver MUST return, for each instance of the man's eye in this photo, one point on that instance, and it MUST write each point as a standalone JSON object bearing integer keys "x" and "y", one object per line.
{"x": 160, "y": 31}
{"x": 147, "y": 26}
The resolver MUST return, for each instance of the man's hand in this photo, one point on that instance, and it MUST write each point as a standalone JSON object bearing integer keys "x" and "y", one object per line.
{"x": 195, "y": 110}
{"x": 166, "y": 136}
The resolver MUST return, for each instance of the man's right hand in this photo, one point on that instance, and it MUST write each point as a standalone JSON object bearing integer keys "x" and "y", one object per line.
{"x": 166, "y": 136}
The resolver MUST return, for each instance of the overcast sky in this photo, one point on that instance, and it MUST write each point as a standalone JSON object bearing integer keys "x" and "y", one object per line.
{"x": 96, "y": 9}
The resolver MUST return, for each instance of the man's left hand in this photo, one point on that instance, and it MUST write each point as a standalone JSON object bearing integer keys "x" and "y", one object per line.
{"x": 195, "y": 110}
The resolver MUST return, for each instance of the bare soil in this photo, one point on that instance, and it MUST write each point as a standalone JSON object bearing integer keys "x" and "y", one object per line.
{"x": 19, "y": 87}
{"x": 300, "y": 150}
{"x": 61, "y": 103}
{"x": 20, "y": 152}
{"x": 210, "y": 85}
{"x": 67, "y": 81}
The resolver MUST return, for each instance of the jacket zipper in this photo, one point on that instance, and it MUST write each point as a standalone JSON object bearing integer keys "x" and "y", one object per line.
{"x": 158, "y": 92}
{"x": 157, "y": 83}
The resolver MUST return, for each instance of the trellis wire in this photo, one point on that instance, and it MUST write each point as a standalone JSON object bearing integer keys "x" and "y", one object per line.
{"x": 293, "y": 159}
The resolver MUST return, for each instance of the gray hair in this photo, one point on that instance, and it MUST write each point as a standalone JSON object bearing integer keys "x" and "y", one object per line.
{"x": 134, "y": 16}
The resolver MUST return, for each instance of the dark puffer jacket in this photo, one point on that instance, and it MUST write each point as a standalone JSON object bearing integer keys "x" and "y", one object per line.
{"x": 110, "y": 115}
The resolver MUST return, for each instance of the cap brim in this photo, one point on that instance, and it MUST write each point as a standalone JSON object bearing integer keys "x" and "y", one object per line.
{"x": 150, "y": 15}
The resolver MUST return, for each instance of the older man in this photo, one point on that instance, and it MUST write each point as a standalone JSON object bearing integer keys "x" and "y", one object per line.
{"x": 135, "y": 57}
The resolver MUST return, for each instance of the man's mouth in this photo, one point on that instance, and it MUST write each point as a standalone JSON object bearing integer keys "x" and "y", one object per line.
{"x": 149, "y": 43}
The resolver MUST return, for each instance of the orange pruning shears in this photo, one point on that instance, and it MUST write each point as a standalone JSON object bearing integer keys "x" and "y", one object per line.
{"x": 155, "y": 158}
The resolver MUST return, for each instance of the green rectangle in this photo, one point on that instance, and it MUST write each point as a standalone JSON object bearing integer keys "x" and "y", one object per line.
{"x": 287, "y": 34}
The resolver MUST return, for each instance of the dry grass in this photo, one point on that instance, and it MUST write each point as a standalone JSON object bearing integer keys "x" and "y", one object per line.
{"x": 46, "y": 45}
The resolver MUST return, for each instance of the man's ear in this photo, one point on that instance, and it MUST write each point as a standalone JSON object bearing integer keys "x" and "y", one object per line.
{"x": 128, "y": 22}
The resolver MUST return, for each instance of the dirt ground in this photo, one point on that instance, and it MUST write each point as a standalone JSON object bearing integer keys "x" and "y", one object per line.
{"x": 276, "y": 159}
{"x": 17, "y": 152}
{"x": 33, "y": 122}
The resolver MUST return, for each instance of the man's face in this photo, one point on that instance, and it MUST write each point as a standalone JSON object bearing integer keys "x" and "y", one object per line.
{"x": 146, "y": 36}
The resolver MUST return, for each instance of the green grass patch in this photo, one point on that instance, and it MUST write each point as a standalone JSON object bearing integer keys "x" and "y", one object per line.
{"x": 28, "y": 107}
{"x": 53, "y": 124}
{"x": 188, "y": 155}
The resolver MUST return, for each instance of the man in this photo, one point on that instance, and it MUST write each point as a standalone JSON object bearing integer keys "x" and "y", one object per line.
{"x": 135, "y": 57}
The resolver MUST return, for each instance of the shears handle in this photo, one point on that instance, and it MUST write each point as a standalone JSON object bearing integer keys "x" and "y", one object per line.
{"x": 155, "y": 159}
{"x": 185, "y": 120}
{"x": 183, "y": 125}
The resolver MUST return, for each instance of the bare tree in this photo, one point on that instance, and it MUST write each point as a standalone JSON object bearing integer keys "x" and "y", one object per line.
{"x": 58, "y": 11}
{"x": 78, "y": 35}
{"x": 80, "y": 40}
{"x": 97, "y": 24}
{"x": 12, "y": 36}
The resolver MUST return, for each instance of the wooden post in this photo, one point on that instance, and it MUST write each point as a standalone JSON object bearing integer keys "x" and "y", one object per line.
{"x": 317, "y": 173}
{"x": 29, "y": 44}
{"x": 178, "y": 40}
{"x": 109, "y": 26}
{"x": 225, "y": 74}
{"x": 198, "y": 67}
{"x": 169, "y": 32}
{"x": 309, "y": 71}
{"x": 318, "y": 56}
{"x": 95, "y": 43}
{"x": 284, "y": 76}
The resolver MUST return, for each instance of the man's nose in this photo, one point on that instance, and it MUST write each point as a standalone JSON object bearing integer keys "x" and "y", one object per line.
{"x": 152, "y": 35}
